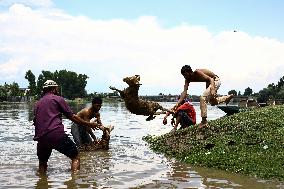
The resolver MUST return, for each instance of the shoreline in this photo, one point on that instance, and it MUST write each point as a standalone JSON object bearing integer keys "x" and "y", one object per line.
{"x": 248, "y": 143}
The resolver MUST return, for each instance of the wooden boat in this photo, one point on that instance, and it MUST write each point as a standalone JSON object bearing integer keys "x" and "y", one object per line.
{"x": 238, "y": 104}
{"x": 229, "y": 109}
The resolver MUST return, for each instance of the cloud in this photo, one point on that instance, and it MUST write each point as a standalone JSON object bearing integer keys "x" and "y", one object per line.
{"x": 32, "y": 3}
{"x": 108, "y": 50}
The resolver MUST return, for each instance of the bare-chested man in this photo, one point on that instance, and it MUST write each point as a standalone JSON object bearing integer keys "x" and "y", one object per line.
{"x": 82, "y": 135}
{"x": 210, "y": 94}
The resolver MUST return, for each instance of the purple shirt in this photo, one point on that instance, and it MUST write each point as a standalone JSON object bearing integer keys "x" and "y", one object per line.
{"x": 48, "y": 116}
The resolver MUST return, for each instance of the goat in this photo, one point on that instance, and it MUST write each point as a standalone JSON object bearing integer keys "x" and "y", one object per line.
{"x": 134, "y": 104}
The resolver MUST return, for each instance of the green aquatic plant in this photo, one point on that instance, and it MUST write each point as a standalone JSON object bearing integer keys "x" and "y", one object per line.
{"x": 250, "y": 142}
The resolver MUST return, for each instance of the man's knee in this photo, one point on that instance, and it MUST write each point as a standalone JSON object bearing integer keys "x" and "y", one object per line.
{"x": 42, "y": 166}
{"x": 67, "y": 147}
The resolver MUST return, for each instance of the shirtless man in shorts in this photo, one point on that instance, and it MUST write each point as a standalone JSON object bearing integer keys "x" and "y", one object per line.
{"x": 84, "y": 136}
{"x": 209, "y": 95}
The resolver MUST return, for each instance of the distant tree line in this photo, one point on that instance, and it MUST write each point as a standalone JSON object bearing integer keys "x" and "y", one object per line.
{"x": 71, "y": 84}
{"x": 248, "y": 92}
{"x": 271, "y": 92}
{"x": 8, "y": 90}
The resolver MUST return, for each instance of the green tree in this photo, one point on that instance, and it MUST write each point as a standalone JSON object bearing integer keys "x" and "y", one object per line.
{"x": 248, "y": 92}
{"x": 280, "y": 93}
{"x": 9, "y": 90}
{"x": 14, "y": 89}
{"x": 45, "y": 75}
{"x": 3, "y": 93}
{"x": 71, "y": 84}
{"x": 267, "y": 93}
{"x": 280, "y": 83}
{"x": 32, "y": 82}
{"x": 233, "y": 92}
{"x": 6, "y": 90}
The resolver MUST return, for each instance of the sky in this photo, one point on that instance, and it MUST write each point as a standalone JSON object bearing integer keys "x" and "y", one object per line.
{"x": 242, "y": 41}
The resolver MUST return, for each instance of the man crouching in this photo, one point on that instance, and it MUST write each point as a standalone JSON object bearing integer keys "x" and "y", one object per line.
{"x": 83, "y": 136}
{"x": 184, "y": 115}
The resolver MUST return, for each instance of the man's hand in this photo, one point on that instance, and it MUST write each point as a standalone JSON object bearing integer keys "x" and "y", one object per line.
{"x": 173, "y": 121}
{"x": 78, "y": 120}
{"x": 95, "y": 142}
{"x": 93, "y": 125}
{"x": 175, "y": 107}
{"x": 165, "y": 121}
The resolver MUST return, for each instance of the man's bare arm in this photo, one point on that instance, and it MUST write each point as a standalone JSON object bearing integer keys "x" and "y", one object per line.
{"x": 183, "y": 94}
{"x": 98, "y": 117}
{"x": 89, "y": 130}
{"x": 76, "y": 119}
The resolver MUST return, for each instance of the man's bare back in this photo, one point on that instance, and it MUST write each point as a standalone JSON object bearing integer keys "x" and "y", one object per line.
{"x": 210, "y": 94}
{"x": 199, "y": 75}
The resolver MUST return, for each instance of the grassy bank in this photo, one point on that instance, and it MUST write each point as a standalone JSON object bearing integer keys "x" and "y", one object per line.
{"x": 250, "y": 143}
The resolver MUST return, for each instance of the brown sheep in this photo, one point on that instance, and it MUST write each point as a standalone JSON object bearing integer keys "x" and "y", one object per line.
{"x": 136, "y": 105}
{"x": 102, "y": 144}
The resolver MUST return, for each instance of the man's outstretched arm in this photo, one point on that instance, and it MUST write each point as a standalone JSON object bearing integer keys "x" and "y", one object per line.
{"x": 182, "y": 95}
{"x": 76, "y": 119}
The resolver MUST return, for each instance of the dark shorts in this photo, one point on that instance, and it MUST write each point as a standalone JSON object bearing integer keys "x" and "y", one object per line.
{"x": 80, "y": 135}
{"x": 185, "y": 120}
{"x": 65, "y": 146}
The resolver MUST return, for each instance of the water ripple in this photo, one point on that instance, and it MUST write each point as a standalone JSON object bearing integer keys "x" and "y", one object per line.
{"x": 129, "y": 163}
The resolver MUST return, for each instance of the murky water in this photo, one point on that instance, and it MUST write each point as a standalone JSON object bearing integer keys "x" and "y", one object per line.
{"x": 129, "y": 163}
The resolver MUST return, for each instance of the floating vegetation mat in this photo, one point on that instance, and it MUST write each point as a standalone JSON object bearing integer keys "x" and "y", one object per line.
{"x": 250, "y": 143}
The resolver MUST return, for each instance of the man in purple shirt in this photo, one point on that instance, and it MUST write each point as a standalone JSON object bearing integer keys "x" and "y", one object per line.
{"x": 49, "y": 129}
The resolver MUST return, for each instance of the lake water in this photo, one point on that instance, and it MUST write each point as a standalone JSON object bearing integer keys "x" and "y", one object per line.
{"x": 129, "y": 163}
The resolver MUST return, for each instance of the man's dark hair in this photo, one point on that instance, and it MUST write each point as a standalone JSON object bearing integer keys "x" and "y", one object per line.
{"x": 185, "y": 68}
{"x": 97, "y": 100}
{"x": 47, "y": 90}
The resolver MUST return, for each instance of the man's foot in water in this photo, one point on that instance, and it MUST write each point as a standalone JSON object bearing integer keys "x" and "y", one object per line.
{"x": 229, "y": 99}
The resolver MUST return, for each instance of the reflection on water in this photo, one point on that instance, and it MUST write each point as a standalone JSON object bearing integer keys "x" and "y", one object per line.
{"x": 129, "y": 163}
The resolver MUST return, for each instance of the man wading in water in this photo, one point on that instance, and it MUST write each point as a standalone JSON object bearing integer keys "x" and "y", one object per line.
{"x": 82, "y": 135}
{"x": 49, "y": 130}
{"x": 210, "y": 94}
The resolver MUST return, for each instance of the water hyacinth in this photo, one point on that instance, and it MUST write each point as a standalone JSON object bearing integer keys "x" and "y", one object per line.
{"x": 250, "y": 142}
